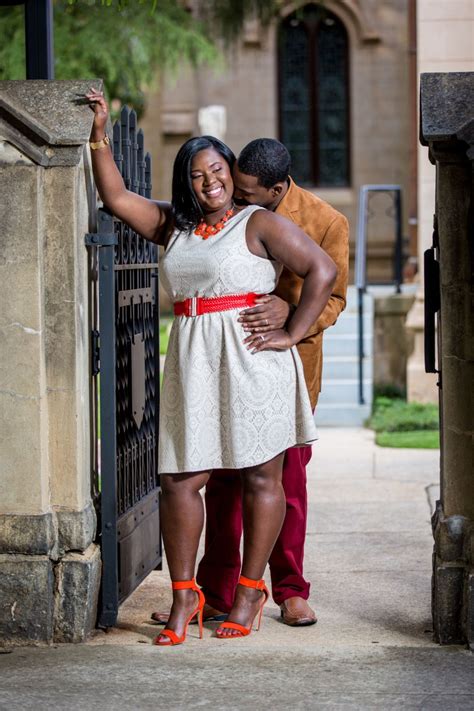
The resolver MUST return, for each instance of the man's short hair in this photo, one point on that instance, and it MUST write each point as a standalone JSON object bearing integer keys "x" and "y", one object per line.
{"x": 267, "y": 160}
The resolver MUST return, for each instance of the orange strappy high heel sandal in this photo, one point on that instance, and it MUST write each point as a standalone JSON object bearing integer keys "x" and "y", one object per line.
{"x": 172, "y": 636}
{"x": 244, "y": 631}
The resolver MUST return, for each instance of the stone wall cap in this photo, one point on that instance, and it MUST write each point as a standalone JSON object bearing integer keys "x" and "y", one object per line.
{"x": 47, "y": 121}
{"x": 446, "y": 101}
{"x": 395, "y": 304}
{"x": 51, "y": 110}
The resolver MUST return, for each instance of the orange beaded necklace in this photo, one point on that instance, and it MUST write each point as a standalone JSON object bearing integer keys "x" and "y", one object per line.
{"x": 205, "y": 231}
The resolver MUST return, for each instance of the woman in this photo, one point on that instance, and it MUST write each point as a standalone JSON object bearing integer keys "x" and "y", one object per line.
{"x": 228, "y": 401}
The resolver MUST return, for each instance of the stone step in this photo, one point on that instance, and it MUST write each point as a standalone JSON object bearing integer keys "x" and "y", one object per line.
{"x": 340, "y": 367}
{"x": 383, "y": 290}
{"x": 341, "y": 415}
{"x": 372, "y": 292}
{"x": 351, "y": 297}
{"x": 345, "y": 391}
{"x": 348, "y": 323}
{"x": 338, "y": 403}
{"x": 352, "y": 303}
{"x": 346, "y": 344}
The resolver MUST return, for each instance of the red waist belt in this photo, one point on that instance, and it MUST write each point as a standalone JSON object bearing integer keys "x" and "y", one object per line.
{"x": 197, "y": 305}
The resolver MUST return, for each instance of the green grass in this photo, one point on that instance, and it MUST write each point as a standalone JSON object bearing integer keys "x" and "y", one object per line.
{"x": 402, "y": 424}
{"x": 419, "y": 439}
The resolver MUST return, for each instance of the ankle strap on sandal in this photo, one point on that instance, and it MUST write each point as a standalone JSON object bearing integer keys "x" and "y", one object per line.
{"x": 184, "y": 584}
{"x": 249, "y": 583}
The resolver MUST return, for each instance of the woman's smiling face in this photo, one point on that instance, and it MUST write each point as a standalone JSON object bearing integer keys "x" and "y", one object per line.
{"x": 211, "y": 180}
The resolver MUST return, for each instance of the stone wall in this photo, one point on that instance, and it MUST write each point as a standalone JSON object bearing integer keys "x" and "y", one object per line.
{"x": 49, "y": 563}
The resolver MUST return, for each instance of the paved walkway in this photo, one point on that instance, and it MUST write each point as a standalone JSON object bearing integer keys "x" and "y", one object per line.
{"x": 369, "y": 558}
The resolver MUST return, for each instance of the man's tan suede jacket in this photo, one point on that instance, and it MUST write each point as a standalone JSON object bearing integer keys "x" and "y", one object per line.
{"x": 330, "y": 230}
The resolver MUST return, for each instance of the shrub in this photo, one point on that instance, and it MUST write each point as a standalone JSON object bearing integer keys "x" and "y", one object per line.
{"x": 399, "y": 416}
{"x": 389, "y": 390}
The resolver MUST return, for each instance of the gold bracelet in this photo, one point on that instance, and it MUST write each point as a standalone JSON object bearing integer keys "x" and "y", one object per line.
{"x": 100, "y": 144}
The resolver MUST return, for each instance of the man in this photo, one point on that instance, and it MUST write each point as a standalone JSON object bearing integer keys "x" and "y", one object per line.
{"x": 261, "y": 177}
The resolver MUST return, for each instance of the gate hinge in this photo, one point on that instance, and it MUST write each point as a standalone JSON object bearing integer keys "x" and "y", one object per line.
{"x": 101, "y": 239}
{"x": 95, "y": 347}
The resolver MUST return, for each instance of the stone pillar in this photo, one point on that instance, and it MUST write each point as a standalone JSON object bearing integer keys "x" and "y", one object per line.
{"x": 392, "y": 343}
{"x": 447, "y": 127}
{"x": 49, "y": 563}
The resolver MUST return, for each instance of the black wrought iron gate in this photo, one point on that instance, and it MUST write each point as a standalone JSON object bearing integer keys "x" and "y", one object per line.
{"x": 126, "y": 368}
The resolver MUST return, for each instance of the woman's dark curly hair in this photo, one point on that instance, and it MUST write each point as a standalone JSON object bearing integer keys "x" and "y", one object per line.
{"x": 186, "y": 209}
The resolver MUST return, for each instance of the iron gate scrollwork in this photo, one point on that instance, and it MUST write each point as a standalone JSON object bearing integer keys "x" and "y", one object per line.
{"x": 127, "y": 482}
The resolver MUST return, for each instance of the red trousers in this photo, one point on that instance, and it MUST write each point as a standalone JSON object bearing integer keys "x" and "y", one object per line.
{"x": 219, "y": 568}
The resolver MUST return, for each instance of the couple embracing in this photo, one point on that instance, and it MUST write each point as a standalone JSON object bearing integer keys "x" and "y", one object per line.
{"x": 253, "y": 290}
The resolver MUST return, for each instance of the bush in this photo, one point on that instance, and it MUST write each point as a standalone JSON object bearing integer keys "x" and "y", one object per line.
{"x": 389, "y": 390}
{"x": 396, "y": 415}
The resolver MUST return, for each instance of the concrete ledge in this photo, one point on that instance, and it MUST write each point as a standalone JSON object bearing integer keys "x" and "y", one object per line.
{"x": 26, "y": 599}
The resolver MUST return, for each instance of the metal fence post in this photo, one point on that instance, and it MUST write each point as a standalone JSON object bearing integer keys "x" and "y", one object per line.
{"x": 109, "y": 590}
{"x": 39, "y": 39}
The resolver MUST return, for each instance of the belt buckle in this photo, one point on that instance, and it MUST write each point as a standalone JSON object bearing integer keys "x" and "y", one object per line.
{"x": 193, "y": 306}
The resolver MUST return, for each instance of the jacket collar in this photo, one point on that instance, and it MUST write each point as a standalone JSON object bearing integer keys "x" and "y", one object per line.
{"x": 290, "y": 201}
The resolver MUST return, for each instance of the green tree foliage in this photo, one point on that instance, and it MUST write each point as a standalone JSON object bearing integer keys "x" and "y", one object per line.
{"x": 227, "y": 17}
{"x": 127, "y": 43}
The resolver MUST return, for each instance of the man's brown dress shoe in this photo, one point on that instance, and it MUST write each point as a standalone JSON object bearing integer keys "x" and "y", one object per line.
{"x": 296, "y": 612}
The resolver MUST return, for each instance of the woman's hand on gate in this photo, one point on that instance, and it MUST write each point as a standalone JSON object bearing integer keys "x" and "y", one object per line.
{"x": 270, "y": 314}
{"x": 101, "y": 113}
{"x": 149, "y": 218}
{"x": 278, "y": 340}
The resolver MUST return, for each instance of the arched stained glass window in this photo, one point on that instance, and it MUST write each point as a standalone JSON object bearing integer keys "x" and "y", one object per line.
{"x": 314, "y": 96}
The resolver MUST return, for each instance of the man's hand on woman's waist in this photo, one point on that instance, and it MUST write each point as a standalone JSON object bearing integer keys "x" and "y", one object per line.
{"x": 270, "y": 314}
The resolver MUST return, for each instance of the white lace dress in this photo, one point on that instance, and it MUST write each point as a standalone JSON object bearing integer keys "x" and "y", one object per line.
{"x": 221, "y": 406}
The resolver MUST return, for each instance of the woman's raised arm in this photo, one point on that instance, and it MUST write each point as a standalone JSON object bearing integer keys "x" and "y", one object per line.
{"x": 150, "y": 219}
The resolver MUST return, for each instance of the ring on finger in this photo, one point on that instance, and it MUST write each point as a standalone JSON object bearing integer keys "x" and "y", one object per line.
{"x": 266, "y": 322}
{"x": 262, "y": 337}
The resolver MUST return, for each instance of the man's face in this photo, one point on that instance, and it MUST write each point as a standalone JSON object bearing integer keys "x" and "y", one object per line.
{"x": 248, "y": 191}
